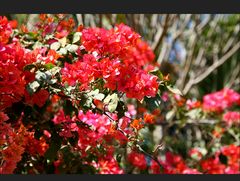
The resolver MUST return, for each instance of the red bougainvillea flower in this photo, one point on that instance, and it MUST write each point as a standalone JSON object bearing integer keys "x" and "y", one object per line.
{"x": 137, "y": 124}
{"x": 15, "y": 140}
{"x": 174, "y": 164}
{"x": 96, "y": 39}
{"x": 232, "y": 152}
{"x": 213, "y": 165}
{"x": 191, "y": 171}
{"x": 5, "y": 30}
{"x": 109, "y": 166}
{"x": 149, "y": 118}
{"x": 96, "y": 128}
{"x": 116, "y": 56}
{"x": 136, "y": 83}
{"x": 232, "y": 117}
{"x": 220, "y": 100}
{"x": 179, "y": 100}
{"x": 13, "y": 24}
{"x": 36, "y": 147}
{"x": 192, "y": 104}
{"x": 12, "y": 85}
{"x": 141, "y": 54}
{"x": 39, "y": 98}
{"x": 131, "y": 110}
{"x": 114, "y": 42}
{"x": 138, "y": 160}
{"x": 82, "y": 71}
{"x": 3, "y": 117}
{"x": 98, "y": 122}
{"x": 13, "y": 54}
{"x": 165, "y": 96}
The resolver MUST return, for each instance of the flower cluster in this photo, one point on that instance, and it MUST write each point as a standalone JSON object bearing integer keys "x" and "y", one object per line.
{"x": 220, "y": 100}
{"x": 108, "y": 166}
{"x": 232, "y": 117}
{"x": 12, "y": 82}
{"x": 174, "y": 164}
{"x": 116, "y": 56}
{"x": 138, "y": 160}
{"x": 33, "y": 77}
{"x": 5, "y": 30}
{"x": 214, "y": 165}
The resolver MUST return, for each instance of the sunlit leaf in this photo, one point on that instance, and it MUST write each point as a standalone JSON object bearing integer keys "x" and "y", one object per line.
{"x": 174, "y": 90}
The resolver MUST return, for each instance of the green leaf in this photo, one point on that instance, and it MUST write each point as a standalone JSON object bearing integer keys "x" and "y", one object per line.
{"x": 76, "y": 37}
{"x": 93, "y": 93}
{"x": 63, "y": 41}
{"x": 40, "y": 76}
{"x": 55, "y": 70}
{"x": 52, "y": 81}
{"x": 56, "y": 88}
{"x": 121, "y": 109}
{"x": 194, "y": 113}
{"x": 112, "y": 102}
{"x": 153, "y": 103}
{"x": 118, "y": 158}
{"x": 69, "y": 108}
{"x": 32, "y": 35}
{"x": 99, "y": 96}
{"x": 174, "y": 90}
{"x": 72, "y": 48}
{"x": 62, "y": 51}
{"x": 49, "y": 66}
{"x": 158, "y": 73}
{"x": 55, "y": 145}
{"x": 55, "y": 46}
{"x": 29, "y": 67}
{"x": 37, "y": 45}
{"x": 32, "y": 87}
{"x": 96, "y": 95}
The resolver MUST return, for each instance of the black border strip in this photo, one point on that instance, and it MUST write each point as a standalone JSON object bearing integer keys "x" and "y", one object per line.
{"x": 120, "y": 6}
{"x": 120, "y": 177}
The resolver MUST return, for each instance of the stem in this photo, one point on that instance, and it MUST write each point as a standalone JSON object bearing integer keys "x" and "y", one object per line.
{"x": 151, "y": 156}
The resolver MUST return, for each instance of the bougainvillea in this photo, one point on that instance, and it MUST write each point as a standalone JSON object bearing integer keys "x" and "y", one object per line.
{"x": 67, "y": 84}
{"x": 68, "y": 97}
{"x": 218, "y": 101}
{"x": 232, "y": 117}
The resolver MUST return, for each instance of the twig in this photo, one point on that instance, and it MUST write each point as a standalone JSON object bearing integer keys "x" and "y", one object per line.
{"x": 151, "y": 156}
{"x": 117, "y": 128}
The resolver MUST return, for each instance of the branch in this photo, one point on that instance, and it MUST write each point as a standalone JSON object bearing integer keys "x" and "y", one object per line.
{"x": 184, "y": 24}
{"x": 234, "y": 75}
{"x": 80, "y": 19}
{"x": 189, "y": 121}
{"x": 158, "y": 41}
{"x": 214, "y": 66}
{"x": 188, "y": 62}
